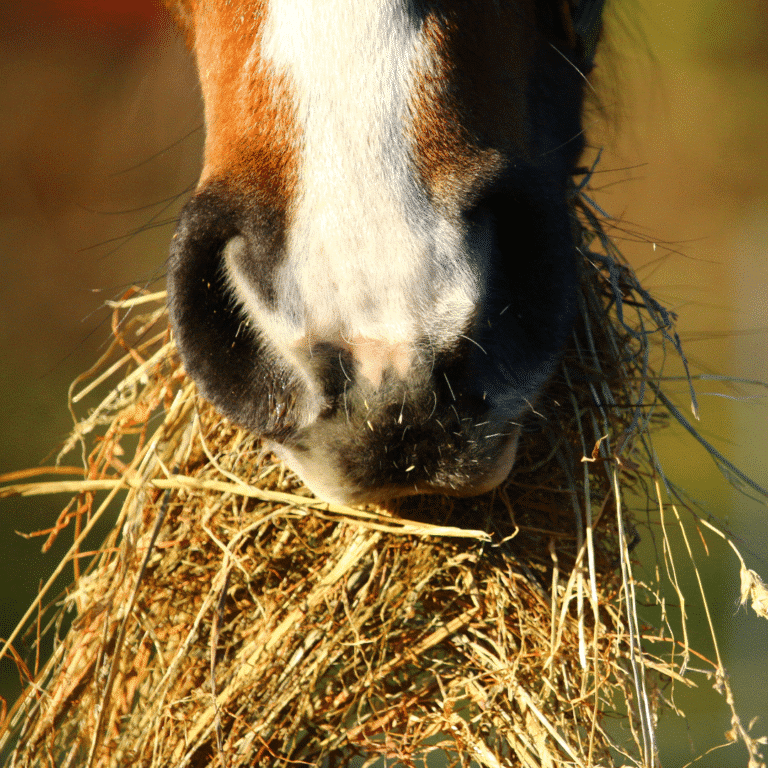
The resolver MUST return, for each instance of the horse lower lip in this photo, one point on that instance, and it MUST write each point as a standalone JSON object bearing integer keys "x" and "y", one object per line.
{"x": 317, "y": 467}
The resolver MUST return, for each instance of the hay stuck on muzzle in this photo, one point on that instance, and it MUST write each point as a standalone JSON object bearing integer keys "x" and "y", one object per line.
{"x": 232, "y": 620}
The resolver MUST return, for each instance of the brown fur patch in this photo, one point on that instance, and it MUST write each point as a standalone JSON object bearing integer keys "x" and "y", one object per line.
{"x": 252, "y": 137}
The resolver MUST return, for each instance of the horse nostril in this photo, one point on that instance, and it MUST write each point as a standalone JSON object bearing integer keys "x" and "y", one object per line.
{"x": 234, "y": 251}
{"x": 247, "y": 263}
{"x": 231, "y": 367}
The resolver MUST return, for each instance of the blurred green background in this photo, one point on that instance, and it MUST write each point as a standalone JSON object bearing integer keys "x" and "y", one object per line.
{"x": 99, "y": 139}
{"x": 684, "y": 85}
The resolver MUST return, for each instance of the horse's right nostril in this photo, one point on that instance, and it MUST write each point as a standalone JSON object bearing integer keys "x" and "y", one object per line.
{"x": 225, "y": 355}
{"x": 200, "y": 314}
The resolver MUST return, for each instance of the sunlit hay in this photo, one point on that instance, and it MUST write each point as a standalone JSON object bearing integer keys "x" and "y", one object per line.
{"x": 230, "y": 619}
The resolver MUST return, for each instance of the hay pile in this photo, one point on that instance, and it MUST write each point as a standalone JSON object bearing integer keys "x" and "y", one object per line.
{"x": 230, "y": 619}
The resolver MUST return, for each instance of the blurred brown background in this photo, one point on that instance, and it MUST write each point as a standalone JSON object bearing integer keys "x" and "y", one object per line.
{"x": 100, "y": 138}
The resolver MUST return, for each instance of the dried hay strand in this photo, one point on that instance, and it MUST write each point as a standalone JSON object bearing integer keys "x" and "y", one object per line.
{"x": 231, "y": 619}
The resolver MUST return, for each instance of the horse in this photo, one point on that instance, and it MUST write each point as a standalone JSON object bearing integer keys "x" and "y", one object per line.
{"x": 377, "y": 271}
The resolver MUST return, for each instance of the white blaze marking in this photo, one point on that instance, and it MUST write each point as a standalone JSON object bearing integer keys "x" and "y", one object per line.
{"x": 368, "y": 256}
